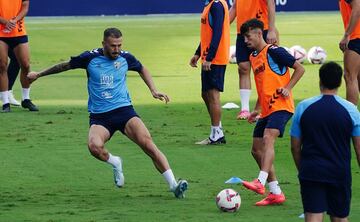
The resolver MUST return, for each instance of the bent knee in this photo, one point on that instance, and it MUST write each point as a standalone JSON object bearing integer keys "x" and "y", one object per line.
{"x": 25, "y": 68}
{"x": 349, "y": 77}
{"x": 95, "y": 145}
{"x": 146, "y": 141}
{"x": 3, "y": 67}
{"x": 244, "y": 68}
{"x": 255, "y": 151}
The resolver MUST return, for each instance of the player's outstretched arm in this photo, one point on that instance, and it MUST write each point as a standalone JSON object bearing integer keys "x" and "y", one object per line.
{"x": 356, "y": 142}
{"x": 146, "y": 76}
{"x": 61, "y": 67}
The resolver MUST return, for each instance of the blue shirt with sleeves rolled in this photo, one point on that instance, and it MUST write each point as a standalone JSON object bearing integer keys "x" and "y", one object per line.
{"x": 107, "y": 87}
{"x": 325, "y": 124}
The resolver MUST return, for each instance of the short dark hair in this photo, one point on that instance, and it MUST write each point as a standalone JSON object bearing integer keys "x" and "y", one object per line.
{"x": 112, "y": 32}
{"x": 250, "y": 25}
{"x": 330, "y": 75}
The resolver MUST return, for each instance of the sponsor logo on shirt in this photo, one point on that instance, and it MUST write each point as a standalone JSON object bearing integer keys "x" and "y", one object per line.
{"x": 106, "y": 95}
{"x": 107, "y": 80}
{"x": 117, "y": 65}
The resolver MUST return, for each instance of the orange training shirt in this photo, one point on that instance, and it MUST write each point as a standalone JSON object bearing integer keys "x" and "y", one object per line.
{"x": 249, "y": 9}
{"x": 8, "y": 10}
{"x": 222, "y": 54}
{"x": 267, "y": 84}
{"x": 345, "y": 10}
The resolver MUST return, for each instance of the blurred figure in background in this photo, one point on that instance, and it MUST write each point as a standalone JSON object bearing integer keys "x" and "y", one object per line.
{"x": 264, "y": 10}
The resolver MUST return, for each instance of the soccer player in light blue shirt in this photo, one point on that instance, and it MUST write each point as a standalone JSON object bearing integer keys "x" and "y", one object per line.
{"x": 321, "y": 131}
{"x": 110, "y": 106}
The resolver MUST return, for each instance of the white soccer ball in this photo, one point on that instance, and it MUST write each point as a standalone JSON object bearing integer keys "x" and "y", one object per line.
{"x": 316, "y": 55}
{"x": 228, "y": 200}
{"x": 232, "y": 56}
{"x": 298, "y": 52}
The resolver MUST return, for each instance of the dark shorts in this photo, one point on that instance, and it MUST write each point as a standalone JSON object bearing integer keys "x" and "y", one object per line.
{"x": 12, "y": 42}
{"x": 354, "y": 45}
{"x": 213, "y": 79}
{"x": 276, "y": 120}
{"x": 113, "y": 120}
{"x": 242, "y": 51}
{"x": 318, "y": 197}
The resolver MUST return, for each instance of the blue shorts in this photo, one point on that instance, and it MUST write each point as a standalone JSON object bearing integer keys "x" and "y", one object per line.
{"x": 354, "y": 45}
{"x": 12, "y": 42}
{"x": 242, "y": 51}
{"x": 213, "y": 79}
{"x": 276, "y": 120}
{"x": 113, "y": 120}
{"x": 318, "y": 197}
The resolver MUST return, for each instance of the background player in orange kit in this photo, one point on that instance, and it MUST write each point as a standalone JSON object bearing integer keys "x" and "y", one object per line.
{"x": 350, "y": 45}
{"x": 264, "y": 10}
{"x": 214, "y": 53}
{"x": 13, "y": 36}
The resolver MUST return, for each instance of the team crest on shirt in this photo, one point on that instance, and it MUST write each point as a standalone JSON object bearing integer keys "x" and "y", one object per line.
{"x": 117, "y": 65}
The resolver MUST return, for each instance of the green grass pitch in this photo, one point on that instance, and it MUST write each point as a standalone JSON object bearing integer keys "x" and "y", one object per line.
{"x": 47, "y": 174}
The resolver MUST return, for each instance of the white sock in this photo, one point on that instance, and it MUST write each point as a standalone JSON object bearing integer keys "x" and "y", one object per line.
{"x": 25, "y": 93}
{"x": 220, "y": 125}
{"x": 245, "y": 99}
{"x": 216, "y": 133}
{"x": 5, "y": 97}
{"x": 274, "y": 187}
{"x": 263, "y": 177}
{"x": 114, "y": 160}
{"x": 170, "y": 178}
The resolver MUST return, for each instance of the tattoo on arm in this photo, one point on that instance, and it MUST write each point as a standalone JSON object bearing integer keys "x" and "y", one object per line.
{"x": 61, "y": 67}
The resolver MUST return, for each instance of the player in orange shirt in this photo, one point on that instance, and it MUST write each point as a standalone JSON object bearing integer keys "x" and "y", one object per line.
{"x": 264, "y": 10}
{"x": 350, "y": 45}
{"x": 274, "y": 104}
{"x": 13, "y": 37}
{"x": 214, "y": 53}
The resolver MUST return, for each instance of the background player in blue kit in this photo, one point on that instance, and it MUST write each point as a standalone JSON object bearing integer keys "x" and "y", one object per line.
{"x": 110, "y": 106}
{"x": 321, "y": 148}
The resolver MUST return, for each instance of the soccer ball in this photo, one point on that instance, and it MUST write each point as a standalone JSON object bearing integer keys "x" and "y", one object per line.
{"x": 316, "y": 55}
{"x": 298, "y": 52}
{"x": 228, "y": 200}
{"x": 232, "y": 56}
